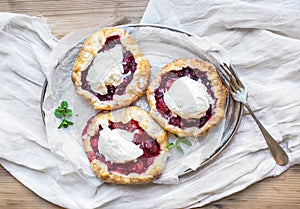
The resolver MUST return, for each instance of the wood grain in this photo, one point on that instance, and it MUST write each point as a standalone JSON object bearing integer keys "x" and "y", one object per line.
{"x": 66, "y": 16}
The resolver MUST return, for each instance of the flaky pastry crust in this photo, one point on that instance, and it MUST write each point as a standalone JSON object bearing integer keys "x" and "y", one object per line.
{"x": 217, "y": 88}
{"x": 149, "y": 125}
{"x": 88, "y": 52}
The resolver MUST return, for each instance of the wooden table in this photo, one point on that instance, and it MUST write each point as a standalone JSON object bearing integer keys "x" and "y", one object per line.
{"x": 65, "y": 16}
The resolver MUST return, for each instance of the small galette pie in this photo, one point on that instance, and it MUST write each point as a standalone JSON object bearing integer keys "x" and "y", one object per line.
{"x": 187, "y": 97}
{"x": 125, "y": 146}
{"x": 110, "y": 70}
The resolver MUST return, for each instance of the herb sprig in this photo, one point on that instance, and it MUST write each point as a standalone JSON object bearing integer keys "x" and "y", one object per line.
{"x": 62, "y": 112}
{"x": 179, "y": 140}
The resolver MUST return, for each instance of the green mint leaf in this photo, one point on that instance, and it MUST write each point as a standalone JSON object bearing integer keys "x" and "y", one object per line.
{"x": 58, "y": 113}
{"x": 61, "y": 112}
{"x": 65, "y": 123}
{"x": 60, "y": 109}
{"x": 187, "y": 142}
{"x": 179, "y": 148}
{"x": 64, "y": 104}
{"x": 70, "y": 122}
{"x": 170, "y": 145}
{"x": 60, "y": 125}
{"x": 178, "y": 141}
{"x": 68, "y": 112}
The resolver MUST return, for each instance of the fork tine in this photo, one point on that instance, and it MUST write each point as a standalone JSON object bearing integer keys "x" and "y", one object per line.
{"x": 230, "y": 68}
{"x": 224, "y": 78}
{"x": 233, "y": 84}
{"x": 234, "y": 77}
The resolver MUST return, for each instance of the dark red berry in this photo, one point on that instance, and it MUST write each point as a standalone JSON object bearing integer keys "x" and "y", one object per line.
{"x": 138, "y": 167}
{"x": 158, "y": 93}
{"x": 161, "y": 106}
{"x": 175, "y": 121}
{"x": 111, "y": 125}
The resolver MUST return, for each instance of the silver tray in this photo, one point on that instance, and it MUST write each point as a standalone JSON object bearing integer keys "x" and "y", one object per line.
{"x": 233, "y": 109}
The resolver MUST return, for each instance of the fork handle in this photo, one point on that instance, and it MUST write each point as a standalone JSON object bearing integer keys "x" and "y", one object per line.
{"x": 277, "y": 152}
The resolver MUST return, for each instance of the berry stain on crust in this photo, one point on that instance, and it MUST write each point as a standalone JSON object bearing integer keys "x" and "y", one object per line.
{"x": 129, "y": 67}
{"x": 166, "y": 82}
{"x": 150, "y": 148}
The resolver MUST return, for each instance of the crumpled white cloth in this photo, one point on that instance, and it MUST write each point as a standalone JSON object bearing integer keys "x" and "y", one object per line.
{"x": 262, "y": 39}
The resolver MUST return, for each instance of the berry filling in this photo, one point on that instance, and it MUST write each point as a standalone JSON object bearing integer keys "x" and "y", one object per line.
{"x": 150, "y": 148}
{"x": 129, "y": 67}
{"x": 166, "y": 82}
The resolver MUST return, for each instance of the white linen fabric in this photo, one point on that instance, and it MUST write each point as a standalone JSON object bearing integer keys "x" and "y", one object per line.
{"x": 262, "y": 39}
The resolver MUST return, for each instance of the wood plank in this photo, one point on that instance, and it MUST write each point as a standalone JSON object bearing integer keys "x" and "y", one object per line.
{"x": 66, "y": 16}
{"x": 272, "y": 193}
{"x": 13, "y": 195}
{"x": 69, "y": 15}
{"x": 276, "y": 193}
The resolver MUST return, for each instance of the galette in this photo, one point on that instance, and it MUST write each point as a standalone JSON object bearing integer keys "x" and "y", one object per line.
{"x": 111, "y": 70}
{"x": 187, "y": 97}
{"x": 125, "y": 146}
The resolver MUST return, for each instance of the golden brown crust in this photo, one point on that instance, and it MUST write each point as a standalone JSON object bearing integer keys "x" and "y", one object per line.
{"x": 218, "y": 89}
{"x": 88, "y": 52}
{"x": 124, "y": 115}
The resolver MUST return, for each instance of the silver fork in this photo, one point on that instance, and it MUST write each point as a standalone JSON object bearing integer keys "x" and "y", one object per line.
{"x": 240, "y": 94}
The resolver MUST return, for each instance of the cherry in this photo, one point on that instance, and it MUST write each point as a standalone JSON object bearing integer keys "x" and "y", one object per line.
{"x": 161, "y": 106}
{"x": 118, "y": 125}
{"x": 206, "y": 117}
{"x": 186, "y": 71}
{"x": 111, "y": 42}
{"x": 175, "y": 121}
{"x": 138, "y": 167}
{"x": 150, "y": 148}
{"x": 111, "y": 125}
{"x": 158, "y": 93}
{"x": 133, "y": 125}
